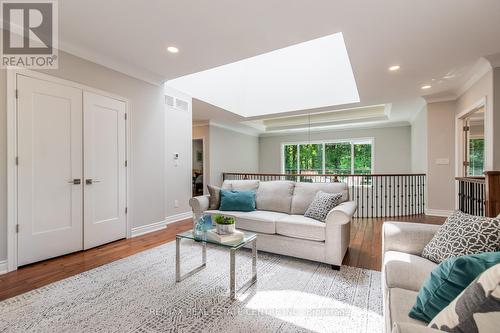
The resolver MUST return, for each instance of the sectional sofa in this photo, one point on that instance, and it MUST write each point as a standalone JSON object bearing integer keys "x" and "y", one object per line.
{"x": 280, "y": 223}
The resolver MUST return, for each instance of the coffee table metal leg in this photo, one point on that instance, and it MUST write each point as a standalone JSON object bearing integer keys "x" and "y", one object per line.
{"x": 254, "y": 259}
{"x": 232, "y": 280}
{"x": 178, "y": 276}
{"x": 177, "y": 259}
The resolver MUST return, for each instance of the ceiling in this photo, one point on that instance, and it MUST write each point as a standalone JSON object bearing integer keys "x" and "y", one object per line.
{"x": 435, "y": 42}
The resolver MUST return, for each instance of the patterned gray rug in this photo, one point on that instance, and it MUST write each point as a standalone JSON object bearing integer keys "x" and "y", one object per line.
{"x": 139, "y": 294}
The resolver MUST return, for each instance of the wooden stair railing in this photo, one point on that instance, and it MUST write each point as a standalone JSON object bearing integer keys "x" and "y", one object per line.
{"x": 480, "y": 195}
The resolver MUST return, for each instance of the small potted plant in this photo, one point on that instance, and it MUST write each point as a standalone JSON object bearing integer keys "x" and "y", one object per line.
{"x": 224, "y": 225}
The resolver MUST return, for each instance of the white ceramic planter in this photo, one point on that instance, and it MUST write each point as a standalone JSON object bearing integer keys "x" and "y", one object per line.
{"x": 225, "y": 229}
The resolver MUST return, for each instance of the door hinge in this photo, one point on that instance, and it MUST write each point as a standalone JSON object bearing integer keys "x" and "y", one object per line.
{"x": 17, "y": 94}
{"x": 17, "y": 228}
{"x": 126, "y": 210}
{"x": 466, "y": 128}
{"x": 466, "y": 163}
{"x": 126, "y": 163}
{"x": 17, "y": 160}
{"x": 125, "y": 116}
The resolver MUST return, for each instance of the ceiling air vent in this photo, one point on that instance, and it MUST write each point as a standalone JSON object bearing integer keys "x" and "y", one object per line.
{"x": 181, "y": 105}
{"x": 169, "y": 100}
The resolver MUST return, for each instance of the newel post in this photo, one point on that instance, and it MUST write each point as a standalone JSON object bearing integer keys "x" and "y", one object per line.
{"x": 492, "y": 193}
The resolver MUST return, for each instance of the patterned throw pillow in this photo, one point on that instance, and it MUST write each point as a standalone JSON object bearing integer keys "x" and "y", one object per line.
{"x": 322, "y": 204}
{"x": 214, "y": 199}
{"x": 476, "y": 309}
{"x": 463, "y": 234}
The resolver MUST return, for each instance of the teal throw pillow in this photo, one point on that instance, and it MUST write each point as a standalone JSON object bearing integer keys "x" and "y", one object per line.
{"x": 447, "y": 281}
{"x": 240, "y": 201}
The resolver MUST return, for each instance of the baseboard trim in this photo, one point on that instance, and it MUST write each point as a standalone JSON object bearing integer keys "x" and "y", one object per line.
{"x": 156, "y": 226}
{"x": 3, "y": 267}
{"x": 146, "y": 229}
{"x": 178, "y": 217}
{"x": 438, "y": 212}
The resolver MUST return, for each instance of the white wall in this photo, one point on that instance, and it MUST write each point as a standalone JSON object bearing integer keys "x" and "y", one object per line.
{"x": 419, "y": 142}
{"x": 178, "y": 171}
{"x": 231, "y": 151}
{"x": 392, "y": 147}
{"x": 441, "y": 145}
{"x": 147, "y": 121}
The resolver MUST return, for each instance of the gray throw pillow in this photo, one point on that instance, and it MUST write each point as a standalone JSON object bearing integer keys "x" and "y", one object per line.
{"x": 463, "y": 234}
{"x": 322, "y": 204}
{"x": 476, "y": 309}
{"x": 214, "y": 199}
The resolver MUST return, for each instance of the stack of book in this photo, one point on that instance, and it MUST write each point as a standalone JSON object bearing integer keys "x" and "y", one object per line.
{"x": 236, "y": 236}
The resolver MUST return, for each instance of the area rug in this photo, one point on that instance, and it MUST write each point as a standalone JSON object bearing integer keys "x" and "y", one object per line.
{"x": 139, "y": 294}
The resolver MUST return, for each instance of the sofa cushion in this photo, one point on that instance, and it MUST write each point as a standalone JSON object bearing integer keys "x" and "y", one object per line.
{"x": 257, "y": 221}
{"x": 241, "y": 185}
{"x": 242, "y": 201}
{"x": 463, "y": 234}
{"x": 275, "y": 196}
{"x": 214, "y": 199}
{"x": 448, "y": 280}
{"x": 302, "y": 227}
{"x": 322, "y": 204}
{"x": 400, "y": 303}
{"x": 476, "y": 309}
{"x": 304, "y": 193}
{"x": 406, "y": 271}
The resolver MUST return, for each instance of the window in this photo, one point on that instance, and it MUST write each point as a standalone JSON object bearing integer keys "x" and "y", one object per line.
{"x": 342, "y": 157}
{"x": 476, "y": 157}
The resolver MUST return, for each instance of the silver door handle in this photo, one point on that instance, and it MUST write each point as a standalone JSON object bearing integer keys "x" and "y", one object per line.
{"x": 76, "y": 181}
{"x": 91, "y": 181}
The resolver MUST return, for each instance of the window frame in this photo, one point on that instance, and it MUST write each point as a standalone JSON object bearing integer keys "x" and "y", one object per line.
{"x": 352, "y": 142}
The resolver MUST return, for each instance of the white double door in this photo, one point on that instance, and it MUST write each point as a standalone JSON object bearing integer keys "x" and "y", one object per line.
{"x": 71, "y": 169}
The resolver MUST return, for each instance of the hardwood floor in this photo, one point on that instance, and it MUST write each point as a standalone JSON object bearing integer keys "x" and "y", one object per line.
{"x": 364, "y": 251}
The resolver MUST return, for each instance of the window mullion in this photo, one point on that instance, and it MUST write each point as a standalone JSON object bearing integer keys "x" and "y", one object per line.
{"x": 352, "y": 158}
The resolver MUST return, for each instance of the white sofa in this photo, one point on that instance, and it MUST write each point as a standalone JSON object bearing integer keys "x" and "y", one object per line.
{"x": 403, "y": 273}
{"x": 280, "y": 223}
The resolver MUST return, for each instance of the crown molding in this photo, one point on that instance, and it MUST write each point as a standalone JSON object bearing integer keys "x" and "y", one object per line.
{"x": 200, "y": 123}
{"x": 480, "y": 69}
{"x": 363, "y": 126}
{"x": 239, "y": 130}
{"x": 130, "y": 70}
{"x": 448, "y": 98}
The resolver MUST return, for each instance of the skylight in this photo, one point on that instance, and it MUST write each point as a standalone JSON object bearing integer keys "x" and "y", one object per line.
{"x": 304, "y": 76}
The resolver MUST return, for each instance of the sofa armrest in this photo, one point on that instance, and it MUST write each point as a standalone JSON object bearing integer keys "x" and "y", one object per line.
{"x": 407, "y": 237}
{"x": 342, "y": 213}
{"x": 412, "y": 328}
{"x": 199, "y": 204}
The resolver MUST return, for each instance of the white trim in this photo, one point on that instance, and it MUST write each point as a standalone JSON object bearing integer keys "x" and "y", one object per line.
{"x": 3, "y": 267}
{"x": 449, "y": 98}
{"x": 482, "y": 67}
{"x": 113, "y": 64}
{"x": 146, "y": 229}
{"x": 11, "y": 171}
{"x": 12, "y": 152}
{"x": 157, "y": 226}
{"x": 205, "y": 179}
{"x": 249, "y": 131}
{"x": 336, "y": 128}
{"x": 178, "y": 217}
{"x": 438, "y": 212}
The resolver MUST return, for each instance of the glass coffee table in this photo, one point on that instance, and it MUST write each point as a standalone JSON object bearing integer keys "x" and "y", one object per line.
{"x": 249, "y": 237}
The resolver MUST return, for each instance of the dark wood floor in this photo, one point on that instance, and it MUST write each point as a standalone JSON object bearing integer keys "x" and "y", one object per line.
{"x": 364, "y": 251}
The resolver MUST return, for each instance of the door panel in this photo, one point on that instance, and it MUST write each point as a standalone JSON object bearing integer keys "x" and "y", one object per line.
{"x": 50, "y": 157}
{"x": 104, "y": 169}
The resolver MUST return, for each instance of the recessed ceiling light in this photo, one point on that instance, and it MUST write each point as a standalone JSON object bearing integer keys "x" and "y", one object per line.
{"x": 427, "y": 86}
{"x": 172, "y": 49}
{"x": 394, "y": 68}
